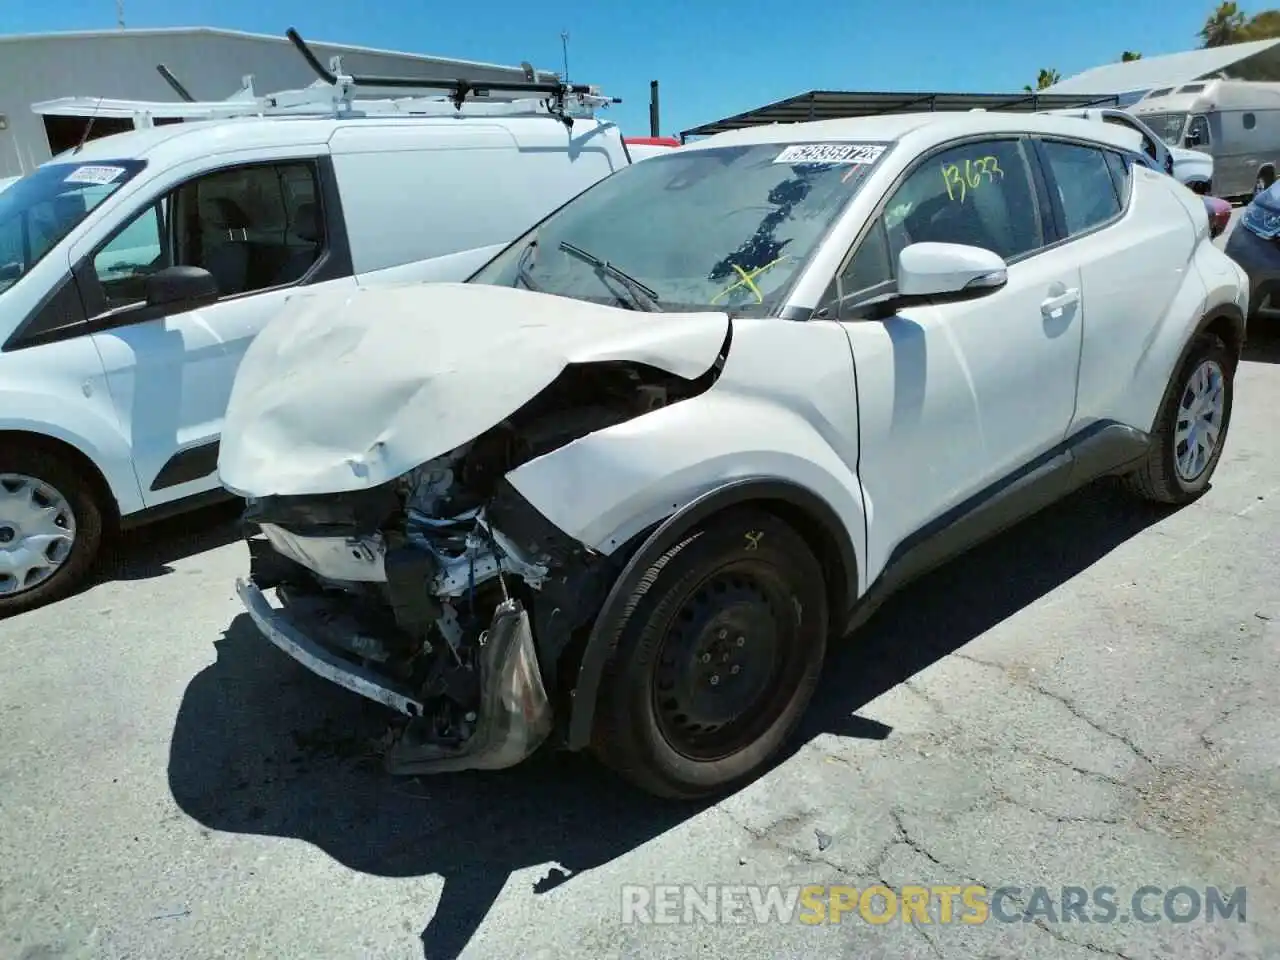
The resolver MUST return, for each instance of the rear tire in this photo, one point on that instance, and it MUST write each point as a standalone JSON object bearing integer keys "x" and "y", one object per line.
{"x": 51, "y": 526}
{"x": 720, "y": 648}
{"x": 1191, "y": 429}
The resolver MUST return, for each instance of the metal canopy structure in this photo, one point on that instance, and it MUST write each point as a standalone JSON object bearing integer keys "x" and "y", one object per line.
{"x": 836, "y": 105}
{"x": 1254, "y": 60}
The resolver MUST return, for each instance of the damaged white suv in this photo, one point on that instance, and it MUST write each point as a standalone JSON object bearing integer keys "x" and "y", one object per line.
{"x": 618, "y": 489}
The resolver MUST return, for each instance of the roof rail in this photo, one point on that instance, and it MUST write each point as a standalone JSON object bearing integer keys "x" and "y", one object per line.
{"x": 333, "y": 95}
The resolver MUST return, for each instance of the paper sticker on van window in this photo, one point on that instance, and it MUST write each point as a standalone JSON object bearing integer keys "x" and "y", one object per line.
{"x": 830, "y": 153}
{"x": 95, "y": 175}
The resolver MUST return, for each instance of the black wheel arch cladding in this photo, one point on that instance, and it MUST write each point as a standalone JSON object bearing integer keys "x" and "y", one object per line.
{"x": 814, "y": 520}
{"x": 1226, "y": 323}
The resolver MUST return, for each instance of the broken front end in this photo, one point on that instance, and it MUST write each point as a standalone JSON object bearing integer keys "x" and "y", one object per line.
{"x": 444, "y": 594}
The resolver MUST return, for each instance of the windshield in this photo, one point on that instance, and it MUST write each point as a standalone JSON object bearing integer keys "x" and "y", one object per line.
{"x": 724, "y": 228}
{"x": 1167, "y": 126}
{"x": 41, "y": 208}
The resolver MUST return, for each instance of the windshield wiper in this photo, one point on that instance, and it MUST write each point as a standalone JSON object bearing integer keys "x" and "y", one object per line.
{"x": 522, "y": 267}
{"x": 643, "y": 296}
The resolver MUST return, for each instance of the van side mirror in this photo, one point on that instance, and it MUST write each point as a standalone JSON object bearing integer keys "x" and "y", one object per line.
{"x": 181, "y": 286}
{"x": 1192, "y": 140}
{"x": 949, "y": 270}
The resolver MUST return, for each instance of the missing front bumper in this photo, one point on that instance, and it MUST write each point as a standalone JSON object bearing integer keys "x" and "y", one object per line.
{"x": 514, "y": 717}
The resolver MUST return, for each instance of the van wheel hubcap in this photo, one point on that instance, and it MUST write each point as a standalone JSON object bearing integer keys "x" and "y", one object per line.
{"x": 1199, "y": 425}
{"x": 37, "y": 532}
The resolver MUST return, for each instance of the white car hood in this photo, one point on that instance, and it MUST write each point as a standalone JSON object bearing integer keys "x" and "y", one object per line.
{"x": 1188, "y": 164}
{"x": 342, "y": 392}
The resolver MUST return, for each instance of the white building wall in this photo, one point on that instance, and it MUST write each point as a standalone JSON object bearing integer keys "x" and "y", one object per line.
{"x": 209, "y": 63}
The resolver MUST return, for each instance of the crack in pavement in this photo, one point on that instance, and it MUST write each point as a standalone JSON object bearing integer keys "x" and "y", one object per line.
{"x": 1061, "y": 937}
{"x": 1066, "y": 702}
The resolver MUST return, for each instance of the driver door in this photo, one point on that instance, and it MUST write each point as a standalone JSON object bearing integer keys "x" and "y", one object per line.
{"x": 257, "y": 228}
{"x": 959, "y": 398}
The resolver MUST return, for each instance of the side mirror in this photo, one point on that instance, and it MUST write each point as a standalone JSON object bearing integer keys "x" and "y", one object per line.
{"x": 186, "y": 286}
{"x": 1192, "y": 140}
{"x": 949, "y": 270}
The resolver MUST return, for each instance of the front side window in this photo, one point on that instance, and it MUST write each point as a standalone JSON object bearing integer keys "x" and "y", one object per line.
{"x": 1198, "y": 132}
{"x": 1168, "y": 126}
{"x": 724, "y": 228}
{"x": 1085, "y": 186}
{"x": 252, "y": 228}
{"x": 38, "y": 210}
{"x": 979, "y": 194}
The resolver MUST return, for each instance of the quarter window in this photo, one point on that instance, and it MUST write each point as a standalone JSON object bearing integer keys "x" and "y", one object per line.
{"x": 978, "y": 194}
{"x": 1084, "y": 185}
{"x": 1249, "y": 120}
{"x": 253, "y": 228}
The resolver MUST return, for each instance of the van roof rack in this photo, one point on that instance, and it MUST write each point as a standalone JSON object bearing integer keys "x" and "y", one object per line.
{"x": 334, "y": 94}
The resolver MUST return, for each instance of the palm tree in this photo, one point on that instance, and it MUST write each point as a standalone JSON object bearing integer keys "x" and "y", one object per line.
{"x": 1047, "y": 78}
{"x": 1225, "y": 25}
{"x": 1129, "y": 56}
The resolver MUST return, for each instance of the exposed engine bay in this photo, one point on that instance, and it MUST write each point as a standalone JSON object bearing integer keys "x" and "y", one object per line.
{"x": 443, "y": 594}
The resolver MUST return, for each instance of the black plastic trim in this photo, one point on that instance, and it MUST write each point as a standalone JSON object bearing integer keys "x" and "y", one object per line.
{"x": 603, "y": 638}
{"x": 1225, "y": 311}
{"x": 173, "y": 508}
{"x": 1104, "y": 447}
{"x": 60, "y": 314}
{"x": 190, "y": 463}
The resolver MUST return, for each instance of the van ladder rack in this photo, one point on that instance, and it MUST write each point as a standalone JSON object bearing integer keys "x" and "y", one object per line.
{"x": 333, "y": 95}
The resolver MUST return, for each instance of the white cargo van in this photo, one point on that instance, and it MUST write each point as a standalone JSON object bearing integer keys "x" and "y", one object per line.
{"x": 135, "y": 270}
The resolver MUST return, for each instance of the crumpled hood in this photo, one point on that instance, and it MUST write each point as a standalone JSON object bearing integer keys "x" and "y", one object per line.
{"x": 344, "y": 391}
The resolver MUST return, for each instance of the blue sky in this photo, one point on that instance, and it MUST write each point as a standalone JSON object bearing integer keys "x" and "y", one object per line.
{"x": 712, "y": 59}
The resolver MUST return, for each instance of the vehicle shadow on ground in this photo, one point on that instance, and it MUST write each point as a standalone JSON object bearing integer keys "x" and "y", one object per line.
{"x": 1263, "y": 344}
{"x": 151, "y": 550}
{"x": 262, "y": 747}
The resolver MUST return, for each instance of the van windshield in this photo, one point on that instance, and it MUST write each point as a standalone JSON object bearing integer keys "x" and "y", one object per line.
{"x": 723, "y": 228}
{"x": 38, "y": 210}
{"x": 1168, "y": 126}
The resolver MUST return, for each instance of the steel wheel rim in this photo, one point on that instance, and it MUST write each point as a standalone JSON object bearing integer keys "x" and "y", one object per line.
{"x": 37, "y": 532}
{"x": 1198, "y": 430}
{"x": 738, "y": 617}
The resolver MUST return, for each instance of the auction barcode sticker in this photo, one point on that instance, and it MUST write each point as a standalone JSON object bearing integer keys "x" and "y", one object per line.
{"x": 830, "y": 153}
{"x": 95, "y": 175}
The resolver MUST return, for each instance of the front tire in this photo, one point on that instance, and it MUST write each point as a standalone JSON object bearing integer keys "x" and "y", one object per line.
{"x": 1191, "y": 429}
{"x": 719, "y": 651}
{"x": 50, "y": 529}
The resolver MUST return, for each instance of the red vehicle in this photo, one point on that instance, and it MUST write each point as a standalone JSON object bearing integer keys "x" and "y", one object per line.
{"x": 1219, "y": 212}
{"x": 641, "y": 147}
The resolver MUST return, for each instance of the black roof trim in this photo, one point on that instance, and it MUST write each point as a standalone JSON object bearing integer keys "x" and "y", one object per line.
{"x": 834, "y": 104}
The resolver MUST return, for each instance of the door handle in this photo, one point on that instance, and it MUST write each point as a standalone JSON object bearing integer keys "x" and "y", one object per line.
{"x": 1054, "y": 306}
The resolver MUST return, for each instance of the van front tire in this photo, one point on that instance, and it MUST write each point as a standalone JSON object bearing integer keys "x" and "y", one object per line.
{"x": 51, "y": 527}
{"x": 718, "y": 654}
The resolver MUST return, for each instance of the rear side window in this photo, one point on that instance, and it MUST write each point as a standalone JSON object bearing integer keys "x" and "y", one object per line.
{"x": 1250, "y": 121}
{"x": 1084, "y": 185}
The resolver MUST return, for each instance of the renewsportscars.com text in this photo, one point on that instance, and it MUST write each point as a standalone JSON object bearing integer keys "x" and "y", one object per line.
{"x": 940, "y": 904}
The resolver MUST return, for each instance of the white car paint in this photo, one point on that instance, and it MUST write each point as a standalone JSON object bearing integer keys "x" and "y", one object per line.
{"x": 128, "y": 397}
{"x": 348, "y": 432}
{"x": 964, "y": 424}
{"x": 981, "y": 375}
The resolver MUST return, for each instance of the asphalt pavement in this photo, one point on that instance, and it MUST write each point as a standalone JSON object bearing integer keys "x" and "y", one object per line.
{"x": 1087, "y": 701}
